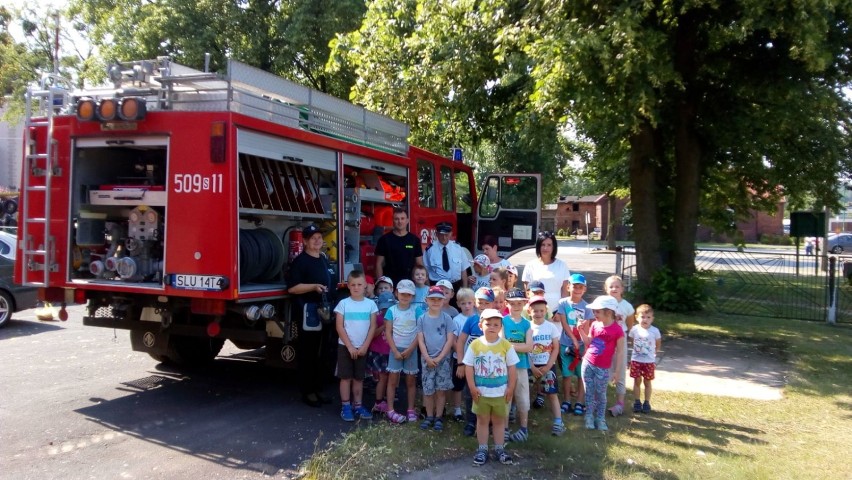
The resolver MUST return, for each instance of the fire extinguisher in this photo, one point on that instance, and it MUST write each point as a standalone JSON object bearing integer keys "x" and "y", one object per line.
{"x": 295, "y": 245}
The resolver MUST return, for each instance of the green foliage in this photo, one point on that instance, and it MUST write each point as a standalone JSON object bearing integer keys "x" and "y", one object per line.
{"x": 770, "y": 239}
{"x": 672, "y": 293}
{"x": 289, "y": 38}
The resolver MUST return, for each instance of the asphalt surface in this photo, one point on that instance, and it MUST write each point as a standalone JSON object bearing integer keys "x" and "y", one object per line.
{"x": 77, "y": 403}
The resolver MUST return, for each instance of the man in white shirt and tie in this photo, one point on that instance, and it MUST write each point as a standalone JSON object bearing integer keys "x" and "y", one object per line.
{"x": 445, "y": 259}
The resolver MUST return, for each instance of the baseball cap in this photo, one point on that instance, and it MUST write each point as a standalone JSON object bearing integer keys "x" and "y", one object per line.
{"x": 310, "y": 230}
{"x": 485, "y": 293}
{"x": 515, "y": 294}
{"x": 537, "y": 299}
{"x": 370, "y": 280}
{"x": 385, "y": 279}
{"x": 490, "y": 313}
{"x": 444, "y": 227}
{"x": 435, "y": 292}
{"x": 535, "y": 285}
{"x": 385, "y": 300}
{"x": 445, "y": 284}
{"x": 481, "y": 260}
{"x": 512, "y": 269}
{"x": 578, "y": 278}
{"x": 604, "y": 302}
{"x": 404, "y": 286}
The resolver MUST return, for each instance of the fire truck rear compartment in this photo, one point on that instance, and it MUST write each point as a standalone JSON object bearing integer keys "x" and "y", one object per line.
{"x": 119, "y": 211}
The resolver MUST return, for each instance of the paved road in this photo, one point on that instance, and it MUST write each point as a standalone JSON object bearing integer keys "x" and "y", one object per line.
{"x": 77, "y": 403}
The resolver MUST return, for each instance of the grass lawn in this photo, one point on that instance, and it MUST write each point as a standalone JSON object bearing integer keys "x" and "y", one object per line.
{"x": 807, "y": 434}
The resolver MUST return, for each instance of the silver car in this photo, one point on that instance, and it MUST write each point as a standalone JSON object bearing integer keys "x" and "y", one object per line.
{"x": 839, "y": 243}
{"x": 13, "y": 297}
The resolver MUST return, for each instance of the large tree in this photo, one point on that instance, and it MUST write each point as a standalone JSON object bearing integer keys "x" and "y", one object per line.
{"x": 723, "y": 104}
{"x": 286, "y": 37}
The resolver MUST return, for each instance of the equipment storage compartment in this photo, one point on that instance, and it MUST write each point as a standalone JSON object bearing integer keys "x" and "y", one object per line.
{"x": 119, "y": 210}
{"x": 283, "y": 185}
{"x": 372, "y": 190}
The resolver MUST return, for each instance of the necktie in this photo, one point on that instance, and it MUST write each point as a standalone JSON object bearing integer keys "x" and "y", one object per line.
{"x": 445, "y": 259}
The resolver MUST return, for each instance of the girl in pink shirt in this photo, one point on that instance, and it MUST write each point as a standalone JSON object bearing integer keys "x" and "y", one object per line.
{"x": 604, "y": 339}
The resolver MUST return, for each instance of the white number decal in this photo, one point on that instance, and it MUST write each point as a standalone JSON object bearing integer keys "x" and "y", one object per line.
{"x": 195, "y": 183}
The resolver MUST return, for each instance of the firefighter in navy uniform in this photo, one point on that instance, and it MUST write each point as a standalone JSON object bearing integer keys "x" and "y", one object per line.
{"x": 445, "y": 259}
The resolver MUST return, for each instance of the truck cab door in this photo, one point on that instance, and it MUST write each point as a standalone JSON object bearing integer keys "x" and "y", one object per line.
{"x": 510, "y": 210}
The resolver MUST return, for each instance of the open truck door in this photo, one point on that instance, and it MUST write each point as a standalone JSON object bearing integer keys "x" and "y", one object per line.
{"x": 510, "y": 210}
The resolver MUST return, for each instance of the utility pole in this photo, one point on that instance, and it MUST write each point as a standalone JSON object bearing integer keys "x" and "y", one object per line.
{"x": 56, "y": 43}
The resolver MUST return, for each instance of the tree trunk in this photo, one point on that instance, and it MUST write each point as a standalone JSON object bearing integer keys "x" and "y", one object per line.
{"x": 610, "y": 226}
{"x": 687, "y": 151}
{"x": 644, "y": 173}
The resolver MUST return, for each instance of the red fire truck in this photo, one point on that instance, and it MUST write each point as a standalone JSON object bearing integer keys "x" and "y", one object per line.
{"x": 170, "y": 200}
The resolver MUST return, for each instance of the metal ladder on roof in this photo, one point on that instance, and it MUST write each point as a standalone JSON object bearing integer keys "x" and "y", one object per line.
{"x": 40, "y": 166}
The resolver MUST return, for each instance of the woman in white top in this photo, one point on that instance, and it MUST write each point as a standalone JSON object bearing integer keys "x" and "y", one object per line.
{"x": 549, "y": 270}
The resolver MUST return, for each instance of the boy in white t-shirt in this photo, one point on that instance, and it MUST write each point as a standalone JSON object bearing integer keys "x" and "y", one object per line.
{"x": 356, "y": 323}
{"x": 646, "y": 344}
{"x": 542, "y": 358}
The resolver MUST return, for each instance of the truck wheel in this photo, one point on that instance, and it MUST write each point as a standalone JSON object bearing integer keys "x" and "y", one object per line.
{"x": 194, "y": 351}
{"x": 7, "y": 307}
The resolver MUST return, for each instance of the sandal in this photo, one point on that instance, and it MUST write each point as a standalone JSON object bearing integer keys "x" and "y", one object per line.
{"x": 439, "y": 425}
{"x": 579, "y": 409}
{"x": 425, "y": 424}
{"x": 412, "y": 416}
{"x": 566, "y": 407}
{"x": 396, "y": 418}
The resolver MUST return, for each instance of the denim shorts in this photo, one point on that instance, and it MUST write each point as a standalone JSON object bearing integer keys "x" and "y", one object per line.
{"x": 410, "y": 365}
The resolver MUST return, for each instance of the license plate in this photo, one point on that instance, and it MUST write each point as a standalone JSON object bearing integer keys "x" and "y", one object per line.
{"x": 199, "y": 282}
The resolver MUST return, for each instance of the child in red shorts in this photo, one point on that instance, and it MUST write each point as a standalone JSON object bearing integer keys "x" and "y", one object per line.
{"x": 646, "y": 343}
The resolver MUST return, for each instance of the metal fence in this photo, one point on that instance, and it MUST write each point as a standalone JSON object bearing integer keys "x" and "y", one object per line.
{"x": 766, "y": 284}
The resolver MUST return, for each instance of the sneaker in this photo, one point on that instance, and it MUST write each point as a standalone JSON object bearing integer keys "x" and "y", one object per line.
{"x": 503, "y": 457}
{"x": 590, "y": 422}
{"x": 566, "y": 407}
{"x": 637, "y": 406}
{"x": 381, "y": 407}
{"x": 458, "y": 417}
{"x": 616, "y": 410}
{"x": 601, "y": 425}
{"x": 480, "y": 458}
{"x": 412, "y": 416}
{"x": 469, "y": 430}
{"x": 579, "y": 409}
{"x": 522, "y": 435}
{"x": 363, "y": 413}
{"x": 646, "y": 407}
{"x": 346, "y": 413}
{"x": 539, "y": 401}
{"x": 396, "y": 418}
{"x": 557, "y": 429}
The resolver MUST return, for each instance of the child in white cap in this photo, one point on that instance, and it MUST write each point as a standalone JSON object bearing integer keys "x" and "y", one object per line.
{"x": 604, "y": 340}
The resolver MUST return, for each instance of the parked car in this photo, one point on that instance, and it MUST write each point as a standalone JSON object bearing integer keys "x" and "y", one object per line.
{"x": 13, "y": 297}
{"x": 842, "y": 242}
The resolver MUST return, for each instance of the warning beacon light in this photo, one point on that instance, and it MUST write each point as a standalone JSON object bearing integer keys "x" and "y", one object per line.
{"x": 110, "y": 109}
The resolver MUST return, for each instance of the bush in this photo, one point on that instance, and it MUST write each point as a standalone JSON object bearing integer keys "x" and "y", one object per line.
{"x": 561, "y": 233}
{"x": 673, "y": 293}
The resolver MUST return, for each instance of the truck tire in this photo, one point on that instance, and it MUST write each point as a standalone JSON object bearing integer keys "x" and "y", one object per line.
{"x": 194, "y": 351}
{"x": 10, "y": 206}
